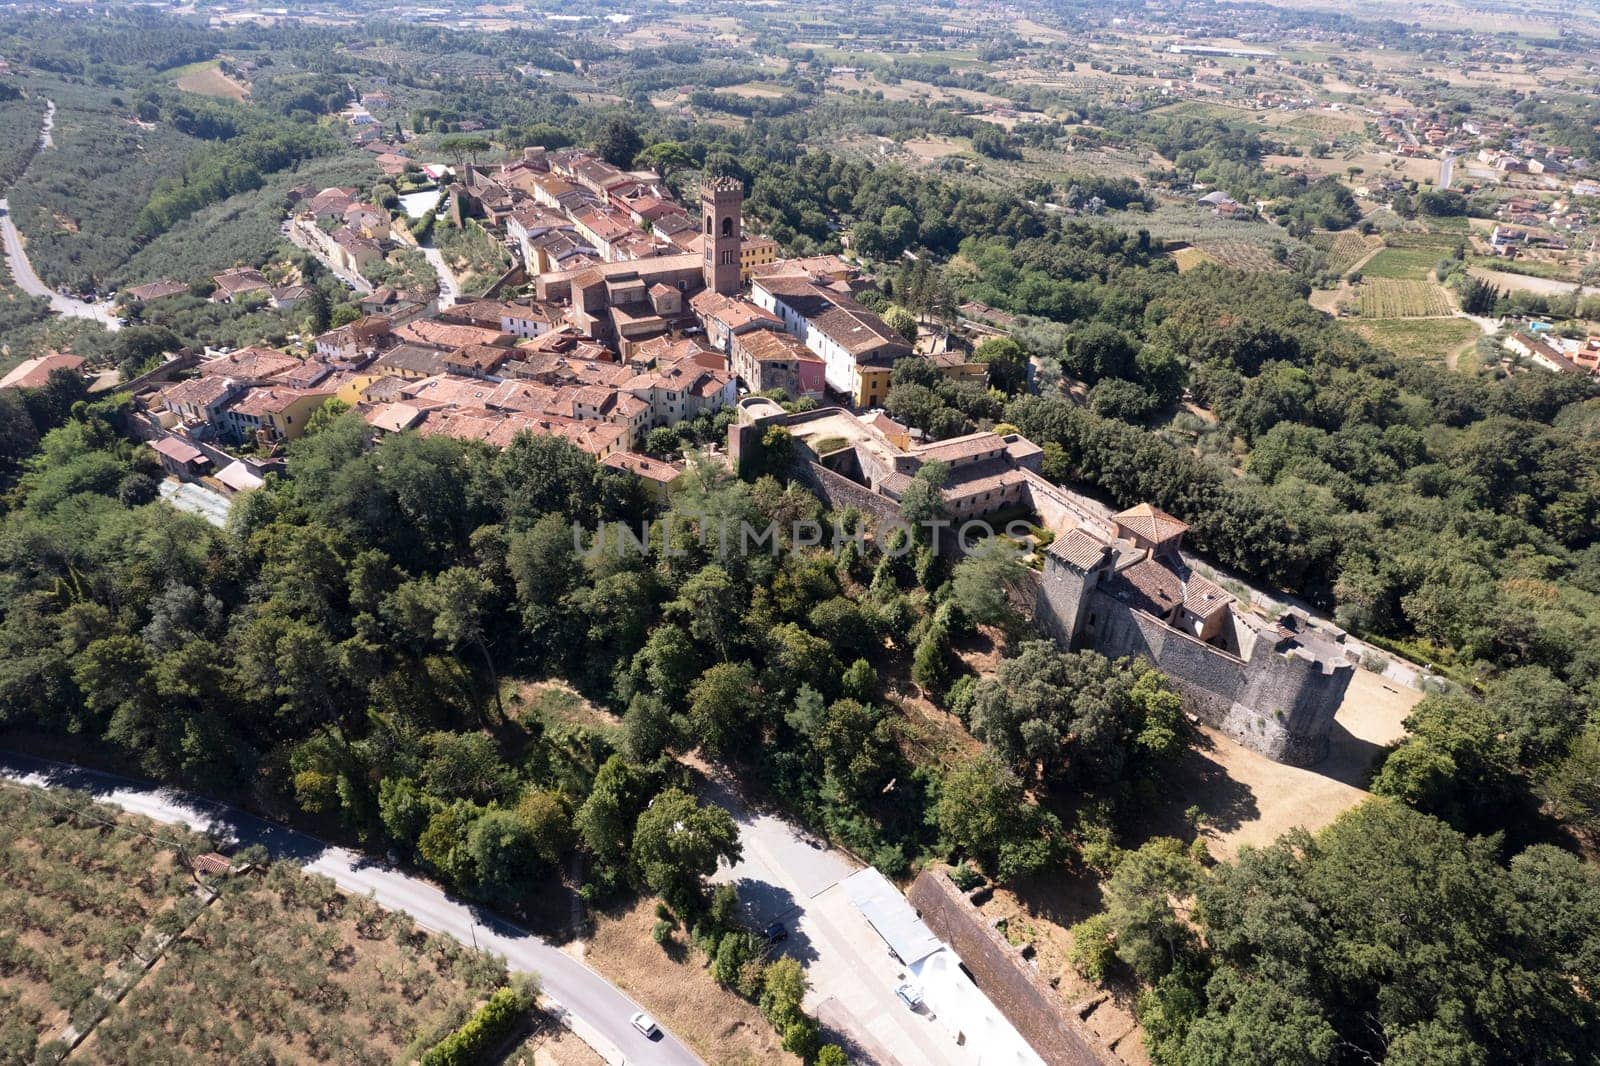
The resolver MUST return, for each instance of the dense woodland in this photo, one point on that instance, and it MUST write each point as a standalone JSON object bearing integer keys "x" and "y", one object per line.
{"x": 348, "y": 652}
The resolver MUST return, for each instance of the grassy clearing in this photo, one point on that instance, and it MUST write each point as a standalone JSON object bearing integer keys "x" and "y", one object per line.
{"x": 1189, "y": 258}
{"x": 206, "y": 79}
{"x": 1385, "y": 297}
{"x": 1427, "y": 338}
{"x": 1404, "y": 263}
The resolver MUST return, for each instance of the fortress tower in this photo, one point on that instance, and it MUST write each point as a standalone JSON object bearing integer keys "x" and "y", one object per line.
{"x": 721, "y": 200}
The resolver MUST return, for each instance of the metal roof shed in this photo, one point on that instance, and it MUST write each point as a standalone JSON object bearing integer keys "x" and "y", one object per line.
{"x": 894, "y": 919}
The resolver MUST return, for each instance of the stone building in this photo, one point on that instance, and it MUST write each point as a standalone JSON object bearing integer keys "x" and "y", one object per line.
{"x": 1272, "y": 686}
{"x": 1115, "y": 583}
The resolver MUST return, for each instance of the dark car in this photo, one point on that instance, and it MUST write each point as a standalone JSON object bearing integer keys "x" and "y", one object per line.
{"x": 776, "y": 932}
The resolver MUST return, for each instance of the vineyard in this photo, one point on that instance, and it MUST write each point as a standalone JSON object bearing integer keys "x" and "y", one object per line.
{"x": 1345, "y": 249}
{"x": 1412, "y": 263}
{"x": 1241, "y": 255}
{"x": 1395, "y": 298}
{"x": 1426, "y": 338}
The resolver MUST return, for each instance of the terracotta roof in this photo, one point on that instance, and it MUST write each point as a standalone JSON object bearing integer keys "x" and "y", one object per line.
{"x": 645, "y": 467}
{"x": 1151, "y": 523}
{"x": 1203, "y": 597}
{"x": 1078, "y": 549}
{"x": 196, "y": 392}
{"x": 838, "y": 316}
{"x": 1148, "y": 586}
{"x": 35, "y": 373}
{"x": 178, "y": 451}
{"x": 249, "y": 364}
{"x": 157, "y": 290}
{"x": 264, "y": 400}
{"x": 956, "y": 448}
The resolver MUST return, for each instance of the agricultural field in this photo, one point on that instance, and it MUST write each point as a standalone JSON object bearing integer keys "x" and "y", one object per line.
{"x": 1240, "y": 255}
{"x": 1426, "y": 338}
{"x": 77, "y": 895}
{"x": 1344, "y": 249}
{"x": 1384, "y": 297}
{"x": 281, "y": 967}
{"x": 1407, "y": 263}
{"x": 206, "y": 79}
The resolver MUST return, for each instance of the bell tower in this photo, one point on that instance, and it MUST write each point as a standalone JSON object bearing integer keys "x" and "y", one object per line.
{"x": 721, "y": 200}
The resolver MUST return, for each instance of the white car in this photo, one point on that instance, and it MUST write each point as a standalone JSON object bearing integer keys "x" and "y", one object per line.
{"x": 910, "y": 995}
{"x": 645, "y": 1024}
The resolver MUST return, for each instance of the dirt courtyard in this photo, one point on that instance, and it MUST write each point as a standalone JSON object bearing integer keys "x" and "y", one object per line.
{"x": 1247, "y": 798}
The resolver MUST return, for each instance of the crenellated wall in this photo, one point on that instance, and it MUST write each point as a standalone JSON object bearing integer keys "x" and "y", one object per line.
{"x": 1278, "y": 700}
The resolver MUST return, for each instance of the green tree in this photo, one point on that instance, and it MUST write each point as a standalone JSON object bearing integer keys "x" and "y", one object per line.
{"x": 677, "y": 843}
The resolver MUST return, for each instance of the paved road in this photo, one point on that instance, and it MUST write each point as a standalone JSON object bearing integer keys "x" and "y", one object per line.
{"x": 449, "y": 288}
{"x": 291, "y": 233}
{"x": 1447, "y": 169}
{"x": 26, "y": 280}
{"x": 595, "y": 1010}
{"x": 785, "y": 875}
{"x": 22, "y": 273}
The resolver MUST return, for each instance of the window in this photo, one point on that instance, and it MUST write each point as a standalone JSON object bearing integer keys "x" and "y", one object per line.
{"x": 727, "y": 226}
{"x": 708, "y": 224}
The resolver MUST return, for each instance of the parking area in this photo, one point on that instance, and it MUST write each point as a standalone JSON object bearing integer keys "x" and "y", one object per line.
{"x": 786, "y": 876}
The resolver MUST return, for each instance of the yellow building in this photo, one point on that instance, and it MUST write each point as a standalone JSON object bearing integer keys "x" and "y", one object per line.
{"x": 271, "y": 411}
{"x": 872, "y": 385}
{"x": 755, "y": 252}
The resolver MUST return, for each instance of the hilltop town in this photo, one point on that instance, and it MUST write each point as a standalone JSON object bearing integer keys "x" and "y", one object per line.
{"x": 951, "y": 533}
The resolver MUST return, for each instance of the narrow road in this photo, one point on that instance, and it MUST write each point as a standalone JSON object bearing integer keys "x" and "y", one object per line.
{"x": 449, "y": 288}
{"x": 24, "y": 278}
{"x": 1447, "y": 169}
{"x": 22, "y": 273}
{"x": 594, "y": 1009}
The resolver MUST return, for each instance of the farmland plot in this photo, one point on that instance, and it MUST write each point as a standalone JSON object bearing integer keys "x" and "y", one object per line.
{"x": 1397, "y": 298}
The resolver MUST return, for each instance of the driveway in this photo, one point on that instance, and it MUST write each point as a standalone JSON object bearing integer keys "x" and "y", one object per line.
{"x": 591, "y": 1007}
{"x": 785, "y": 875}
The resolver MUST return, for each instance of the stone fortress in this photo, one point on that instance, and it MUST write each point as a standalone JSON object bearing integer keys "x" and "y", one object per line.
{"x": 1114, "y": 583}
{"x": 1126, "y": 590}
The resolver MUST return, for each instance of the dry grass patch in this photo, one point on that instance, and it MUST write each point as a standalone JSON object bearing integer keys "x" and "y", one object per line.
{"x": 674, "y": 985}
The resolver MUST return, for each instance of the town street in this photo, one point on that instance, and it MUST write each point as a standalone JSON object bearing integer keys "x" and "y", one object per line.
{"x": 594, "y": 1009}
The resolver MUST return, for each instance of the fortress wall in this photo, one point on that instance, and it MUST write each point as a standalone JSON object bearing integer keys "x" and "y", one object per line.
{"x": 1210, "y": 679}
{"x": 839, "y": 492}
{"x": 1288, "y": 705}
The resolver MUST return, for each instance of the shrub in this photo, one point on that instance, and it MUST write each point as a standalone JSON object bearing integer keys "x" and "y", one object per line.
{"x": 965, "y": 877}
{"x": 483, "y": 1031}
{"x": 1092, "y": 954}
{"x": 661, "y": 932}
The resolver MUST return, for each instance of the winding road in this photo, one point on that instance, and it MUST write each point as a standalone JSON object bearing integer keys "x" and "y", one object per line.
{"x": 22, "y": 272}
{"x": 594, "y": 1009}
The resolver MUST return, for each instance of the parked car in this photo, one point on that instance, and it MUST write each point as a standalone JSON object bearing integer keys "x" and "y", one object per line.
{"x": 910, "y": 995}
{"x": 776, "y": 932}
{"x": 645, "y": 1024}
